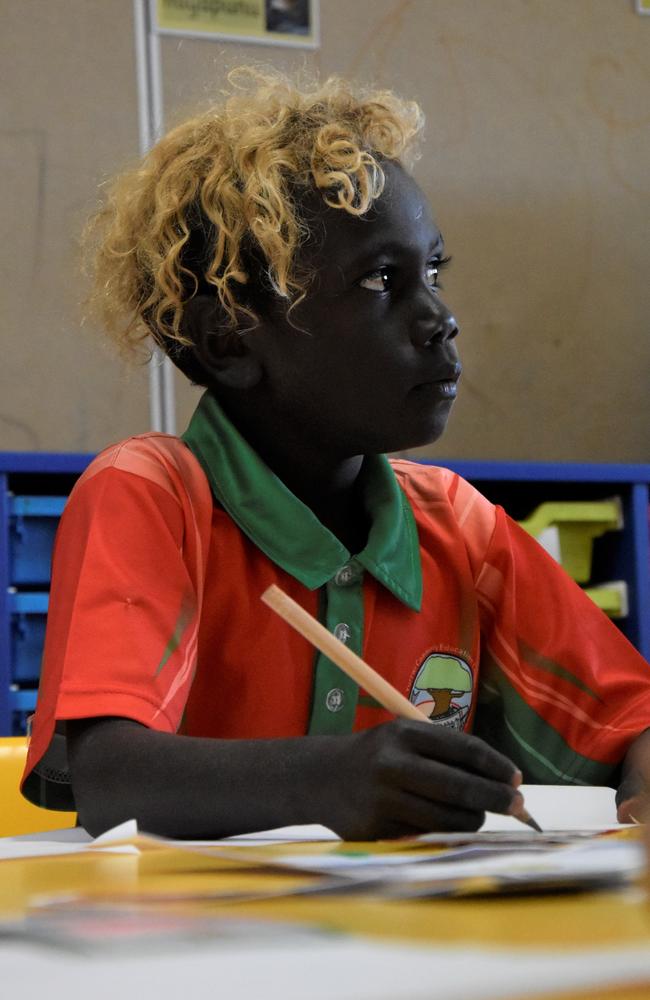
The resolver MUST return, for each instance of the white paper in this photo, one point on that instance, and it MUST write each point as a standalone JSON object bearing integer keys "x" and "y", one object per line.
{"x": 74, "y": 840}
{"x": 284, "y": 834}
{"x": 562, "y": 807}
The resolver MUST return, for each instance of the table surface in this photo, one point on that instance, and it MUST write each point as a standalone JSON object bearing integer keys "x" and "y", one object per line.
{"x": 298, "y": 946}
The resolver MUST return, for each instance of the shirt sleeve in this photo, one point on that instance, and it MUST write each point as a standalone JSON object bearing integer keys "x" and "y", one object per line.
{"x": 126, "y": 589}
{"x": 562, "y": 692}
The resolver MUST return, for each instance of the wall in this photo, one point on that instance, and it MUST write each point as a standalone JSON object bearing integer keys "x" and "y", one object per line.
{"x": 536, "y": 162}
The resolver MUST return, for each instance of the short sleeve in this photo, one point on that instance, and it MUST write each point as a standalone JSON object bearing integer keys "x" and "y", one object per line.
{"x": 562, "y": 691}
{"x": 126, "y": 591}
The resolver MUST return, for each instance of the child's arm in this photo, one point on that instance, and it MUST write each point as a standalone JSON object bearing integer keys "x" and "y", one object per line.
{"x": 397, "y": 779}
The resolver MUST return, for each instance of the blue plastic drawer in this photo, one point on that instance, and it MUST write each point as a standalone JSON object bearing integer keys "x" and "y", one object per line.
{"x": 20, "y": 723}
{"x": 28, "y": 613}
{"x": 22, "y": 704}
{"x": 23, "y": 700}
{"x": 32, "y": 525}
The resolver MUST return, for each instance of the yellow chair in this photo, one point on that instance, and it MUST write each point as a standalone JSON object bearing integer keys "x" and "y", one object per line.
{"x": 17, "y": 815}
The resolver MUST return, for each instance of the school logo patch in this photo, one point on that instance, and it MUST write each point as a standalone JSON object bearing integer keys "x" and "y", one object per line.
{"x": 442, "y": 690}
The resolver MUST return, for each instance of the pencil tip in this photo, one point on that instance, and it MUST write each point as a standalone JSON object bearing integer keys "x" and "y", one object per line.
{"x": 526, "y": 818}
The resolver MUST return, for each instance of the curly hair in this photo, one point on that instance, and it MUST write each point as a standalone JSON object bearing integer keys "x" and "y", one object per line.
{"x": 222, "y": 192}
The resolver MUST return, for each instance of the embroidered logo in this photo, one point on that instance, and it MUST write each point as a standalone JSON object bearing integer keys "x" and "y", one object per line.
{"x": 442, "y": 690}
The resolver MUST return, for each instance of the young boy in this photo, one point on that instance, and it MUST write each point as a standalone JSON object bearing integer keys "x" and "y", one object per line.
{"x": 279, "y": 251}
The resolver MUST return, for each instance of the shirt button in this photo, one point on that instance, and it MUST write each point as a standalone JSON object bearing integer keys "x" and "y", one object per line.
{"x": 342, "y": 632}
{"x": 334, "y": 700}
{"x": 344, "y": 576}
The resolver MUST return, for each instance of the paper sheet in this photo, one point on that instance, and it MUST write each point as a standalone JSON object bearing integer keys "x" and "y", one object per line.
{"x": 562, "y": 807}
{"x": 71, "y": 841}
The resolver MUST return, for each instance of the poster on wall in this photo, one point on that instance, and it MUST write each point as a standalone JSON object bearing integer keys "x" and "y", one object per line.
{"x": 267, "y": 22}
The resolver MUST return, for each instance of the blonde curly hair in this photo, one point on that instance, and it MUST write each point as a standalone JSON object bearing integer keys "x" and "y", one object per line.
{"x": 224, "y": 189}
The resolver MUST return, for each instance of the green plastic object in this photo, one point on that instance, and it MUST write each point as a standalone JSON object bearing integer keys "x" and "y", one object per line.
{"x": 572, "y": 526}
{"x": 610, "y": 598}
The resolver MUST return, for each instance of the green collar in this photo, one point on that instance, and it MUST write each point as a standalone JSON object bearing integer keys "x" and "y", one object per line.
{"x": 287, "y": 531}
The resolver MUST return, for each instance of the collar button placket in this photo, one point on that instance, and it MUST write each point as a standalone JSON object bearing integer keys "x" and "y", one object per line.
{"x": 335, "y": 695}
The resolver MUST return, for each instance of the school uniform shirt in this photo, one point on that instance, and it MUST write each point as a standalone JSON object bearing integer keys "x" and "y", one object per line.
{"x": 165, "y": 547}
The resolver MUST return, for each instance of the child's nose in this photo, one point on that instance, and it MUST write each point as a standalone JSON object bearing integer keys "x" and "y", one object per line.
{"x": 436, "y": 324}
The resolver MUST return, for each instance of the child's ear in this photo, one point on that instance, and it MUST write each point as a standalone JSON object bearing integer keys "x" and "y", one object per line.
{"x": 223, "y": 354}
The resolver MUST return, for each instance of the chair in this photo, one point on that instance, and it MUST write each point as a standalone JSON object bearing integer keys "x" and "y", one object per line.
{"x": 17, "y": 815}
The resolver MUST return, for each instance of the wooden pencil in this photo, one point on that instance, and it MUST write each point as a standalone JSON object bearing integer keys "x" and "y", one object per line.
{"x": 352, "y": 665}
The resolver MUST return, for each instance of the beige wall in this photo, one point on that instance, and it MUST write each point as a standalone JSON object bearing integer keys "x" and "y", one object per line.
{"x": 537, "y": 162}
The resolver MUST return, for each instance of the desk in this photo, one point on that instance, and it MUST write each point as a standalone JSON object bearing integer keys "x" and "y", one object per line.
{"x": 338, "y": 946}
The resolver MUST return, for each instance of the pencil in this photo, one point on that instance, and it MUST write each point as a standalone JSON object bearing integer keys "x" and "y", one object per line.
{"x": 352, "y": 665}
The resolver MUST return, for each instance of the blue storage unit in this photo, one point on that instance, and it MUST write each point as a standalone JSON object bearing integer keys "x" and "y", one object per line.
{"x": 22, "y": 702}
{"x": 28, "y": 614}
{"x": 33, "y": 522}
{"x": 33, "y": 491}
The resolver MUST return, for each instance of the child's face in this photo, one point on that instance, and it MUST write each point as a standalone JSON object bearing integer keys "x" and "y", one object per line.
{"x": 377, "y": 368}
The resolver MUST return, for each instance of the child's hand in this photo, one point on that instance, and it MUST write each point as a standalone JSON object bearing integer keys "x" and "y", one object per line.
{"x": 633, "y": 808}
{"x": 632, "y": 805}
{"x": 407, "y": 777}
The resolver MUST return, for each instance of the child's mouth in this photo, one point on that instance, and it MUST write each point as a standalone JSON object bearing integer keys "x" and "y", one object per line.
{"x": 445, "y": 388}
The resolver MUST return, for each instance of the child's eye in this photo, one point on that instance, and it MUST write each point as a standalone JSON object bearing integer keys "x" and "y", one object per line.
{"x": 382, "y": 280}
{"x": 433, "y": 269}
{"x": 377, "y": 281}
{"x": 432, "y": 274}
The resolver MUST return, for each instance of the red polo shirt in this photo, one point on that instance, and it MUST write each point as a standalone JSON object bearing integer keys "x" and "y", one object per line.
{"x": 165, "y": 547}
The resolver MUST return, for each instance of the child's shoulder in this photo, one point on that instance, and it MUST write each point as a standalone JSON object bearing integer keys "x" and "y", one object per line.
{"x": 155, "y": 457}
{"x": 427, "y": 486}
{"x": 422, "y": 475}
{"x": 435, "y": 480}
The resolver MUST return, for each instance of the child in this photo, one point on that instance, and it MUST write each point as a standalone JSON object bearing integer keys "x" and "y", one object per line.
{"x": 280, "y": 253}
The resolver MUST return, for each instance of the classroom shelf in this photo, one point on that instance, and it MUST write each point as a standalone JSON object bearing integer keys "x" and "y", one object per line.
{"x": 520, "y": 487}
{"x": 33, "y": 489}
